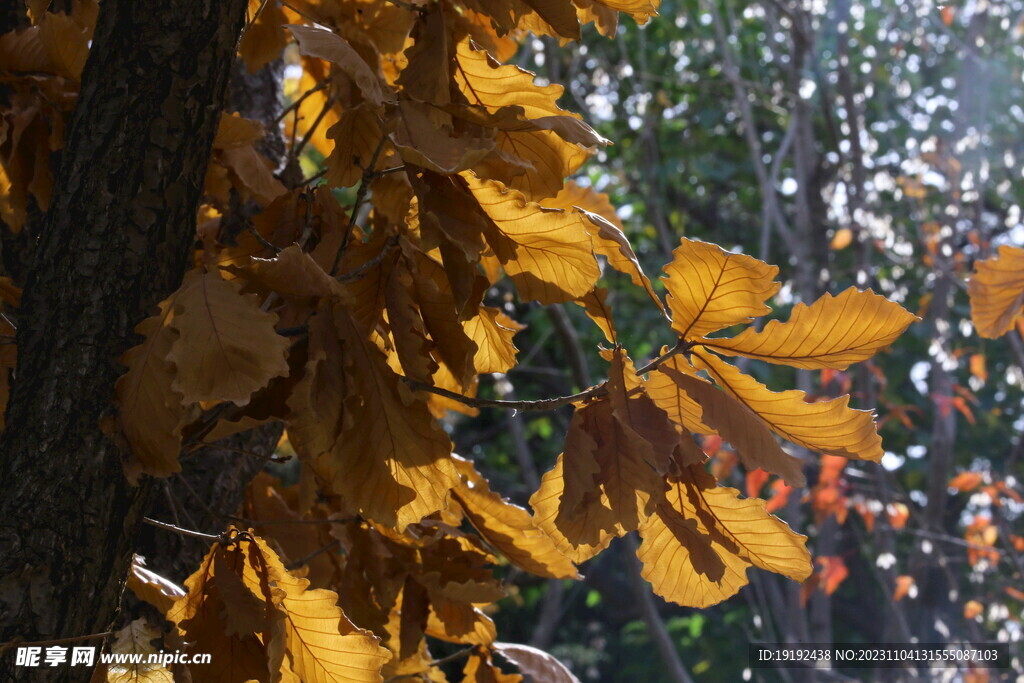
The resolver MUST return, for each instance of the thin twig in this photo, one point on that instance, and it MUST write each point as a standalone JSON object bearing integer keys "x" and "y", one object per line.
{"x": 364, "y": 187}
{"x": 296, "y": 150}
{"x": 302, "y": 98}
{"x": 316, "y": 553}
{"x": 274, "y": 522}
{"x": 375, "y": 261}
{"x": 539, "y": 404}
{"x": 178, "y": 530}
{"x": 682, "y": 346}
{"x": 455, "y": 656}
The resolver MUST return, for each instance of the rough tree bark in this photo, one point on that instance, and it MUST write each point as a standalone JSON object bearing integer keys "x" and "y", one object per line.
{"x": 115, "y": 242}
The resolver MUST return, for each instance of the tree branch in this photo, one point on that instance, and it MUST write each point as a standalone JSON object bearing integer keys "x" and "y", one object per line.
{"x": 540, "y": 404}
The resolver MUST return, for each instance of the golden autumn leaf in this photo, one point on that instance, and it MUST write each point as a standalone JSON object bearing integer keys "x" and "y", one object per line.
{"x": 551, "y": 154}
{"x": 587, "y": 533}
{"x": 740, "y": 426}
{"x": 320, "y": 644}
{"x": 291, "y": 273}
{"x": 137, "y": 639}
{"x": 824, "y": 426}
{"x": 508, "y": 527}
{"x": 604, "y": 456}
{"x": 199, "y": 618}
{"x": 535, "y": 663}
{"x": 151, "y": 411}
{"x": 997, "y": 292}
{"x": 392, "y": 461}
{"x": 492, "y": 332}
{"x": 267, "y": 624}
{"x": 328, "y": 45}
{"x": 833, "y": 332}
{"x": 226, "y": 347}
{"x": 699, "y": 521}
{"x": 605, "y": 229}
{"x": 710, "y": 289}
{"x": 355, "y": 135}
{"x": 547, "y": 253}
{"x": 667, "y": 394}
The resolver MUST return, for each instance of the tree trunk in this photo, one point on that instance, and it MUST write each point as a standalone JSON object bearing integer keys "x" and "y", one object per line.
{"x": 116, "y": 241}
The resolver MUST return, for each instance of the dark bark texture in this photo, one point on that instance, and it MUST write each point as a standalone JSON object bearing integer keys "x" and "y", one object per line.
{"x": 116, "y": 241}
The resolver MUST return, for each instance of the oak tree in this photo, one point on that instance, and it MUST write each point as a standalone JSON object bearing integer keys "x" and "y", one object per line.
{"x": 354, "y": 309}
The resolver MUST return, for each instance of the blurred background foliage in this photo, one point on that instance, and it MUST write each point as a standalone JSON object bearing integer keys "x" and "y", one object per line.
{"x": 874, "y": 144}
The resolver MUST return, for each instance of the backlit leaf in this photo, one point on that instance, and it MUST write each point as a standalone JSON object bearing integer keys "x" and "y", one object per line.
{"x": 824, "y": 426}
{"x": 509, "y": 527}
{"x": 711, "y": 289}
{"x": 833, "y": 332}
{"x": 997, "y": 292}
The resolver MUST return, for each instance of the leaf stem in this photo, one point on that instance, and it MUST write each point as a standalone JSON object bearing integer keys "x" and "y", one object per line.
{"x": 682, "y": 346}
{"x": 537, "y": 405}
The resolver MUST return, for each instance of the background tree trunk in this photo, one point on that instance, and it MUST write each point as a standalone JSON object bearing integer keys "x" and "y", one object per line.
{"x": 116, "y": 241}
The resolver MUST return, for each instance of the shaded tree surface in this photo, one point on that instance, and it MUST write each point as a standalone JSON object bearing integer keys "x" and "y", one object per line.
{"x": 114, "y": 243}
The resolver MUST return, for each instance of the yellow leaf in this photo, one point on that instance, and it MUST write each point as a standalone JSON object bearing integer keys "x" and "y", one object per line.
{"x": 509, "y": 527}
{"x": 605, "y": 228}
{"x": 825, "y": 426}
{"x": 199, "y": 617}
{"x": 227, "y": 347}
{"x": 355, "y": 135}
{"x": 741, "y": 427}
{"x": 422, "y": 142}
{"x": 710, "y": 289}
{"x": 668, "y": 395}
{"x": 392, "y": 462}
{"x": 596, "y": 305}
{"x": 492, "y": 331}
{"x": 292, "y": 273}
{"x": 640, "y": 10}
{"x": 581, "y": 537}
{"x": 547, "y": 253}
{"x": 997, "y": 292}
{"x": 604, "y": 454}
{"x": 137, "y": 639}
{"x": 833, "y": 332}
{"x": 318, "y": 42}
{"x": 408, "y": 329}
{"x": 842, "y": 239}
{"x": 264, "y": 38}
{"x": 456, "y": 622}
{"x": 739, "y": 531}
{"x": 636, "y": 410}
{"x": 151, "y": 412}
{"x": 440, "y": 314}
{"x": 320, "y": 643}
{"x": 317, "y": 401}
{"x": 548, "y": 155}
